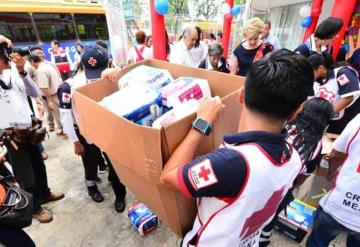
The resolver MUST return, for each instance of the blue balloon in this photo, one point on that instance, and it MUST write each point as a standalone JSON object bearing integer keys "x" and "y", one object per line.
{"x": 306, "y": 22}
{"x": 235, "y": 10}
{"x": 161, "y": 7}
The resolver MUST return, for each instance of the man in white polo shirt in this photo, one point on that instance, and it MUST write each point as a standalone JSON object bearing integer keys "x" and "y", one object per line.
{"x": 339, "y": 210}
{"x": 181, "y": 52}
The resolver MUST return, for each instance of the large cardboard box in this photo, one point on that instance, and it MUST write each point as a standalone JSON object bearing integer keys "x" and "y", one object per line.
{"x": 138, "y": 153}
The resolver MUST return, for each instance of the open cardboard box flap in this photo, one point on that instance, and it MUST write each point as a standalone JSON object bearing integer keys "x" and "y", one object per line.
{"x": 138, "y": 152}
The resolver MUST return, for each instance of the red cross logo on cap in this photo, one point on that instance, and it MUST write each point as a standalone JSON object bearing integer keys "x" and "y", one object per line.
{"x": 92, "y": 61}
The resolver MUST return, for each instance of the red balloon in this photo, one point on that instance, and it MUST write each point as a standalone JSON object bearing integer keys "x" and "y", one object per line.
{"x": 228, "y": 17}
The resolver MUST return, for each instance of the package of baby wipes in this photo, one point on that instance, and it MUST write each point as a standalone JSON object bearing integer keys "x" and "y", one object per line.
{"x": 146, "y": 75}
{"x": 184, "y": 89}
{"x": 139, "y": 103}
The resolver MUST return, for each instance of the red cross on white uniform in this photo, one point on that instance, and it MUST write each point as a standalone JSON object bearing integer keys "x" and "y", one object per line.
{"x": 92, "y": 61}
{"x": 326, "y": 94}
{"x": 202, "y": 175}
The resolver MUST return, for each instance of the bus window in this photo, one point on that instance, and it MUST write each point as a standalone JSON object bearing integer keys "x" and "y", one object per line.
{"x": 17, "y": 27}
{"x": 54, "y": 26}
{"x": 91, "y": 26}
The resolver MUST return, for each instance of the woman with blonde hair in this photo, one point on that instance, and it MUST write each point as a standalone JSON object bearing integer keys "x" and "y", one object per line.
{"x": 251, "y": 49}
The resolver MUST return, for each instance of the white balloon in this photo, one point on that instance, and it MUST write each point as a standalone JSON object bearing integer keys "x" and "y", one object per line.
{"x": 305, "y": 11}
{"x": 225, "y": 8}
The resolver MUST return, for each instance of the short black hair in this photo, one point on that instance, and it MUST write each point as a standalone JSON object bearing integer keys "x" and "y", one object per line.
{"x": 329, "y": 28}
{"x": 34, "y": 58}
{"x": 324, "y": 59}
{"x": 102, "y": 43}
{"x": 32, "y": 49}
{"x": 56, "y": 42}
{"x": 212, "y": 36}
{"x": 278, "y": 84}
{"x": 219, "y": 34}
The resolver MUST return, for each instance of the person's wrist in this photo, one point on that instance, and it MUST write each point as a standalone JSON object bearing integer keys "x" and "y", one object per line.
{"x": 22, "y": 72}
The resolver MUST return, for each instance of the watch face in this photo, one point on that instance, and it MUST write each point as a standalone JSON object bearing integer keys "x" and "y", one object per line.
{"x": 201, "y": 124}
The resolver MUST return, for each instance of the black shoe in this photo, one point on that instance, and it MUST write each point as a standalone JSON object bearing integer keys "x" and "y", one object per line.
{"x": 97, "y": 180}
{"x": 95, "y": 194}
{"x": 102, "y": 168}
{"x": 119, "y": 205}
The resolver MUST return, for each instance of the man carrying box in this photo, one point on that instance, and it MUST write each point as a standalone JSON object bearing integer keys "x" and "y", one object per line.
{"x": 94, "y": 60}
{"x": 240, "y": 185}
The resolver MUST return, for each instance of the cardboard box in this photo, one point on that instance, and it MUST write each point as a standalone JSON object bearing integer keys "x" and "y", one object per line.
{"x": 319, "y": 186}
{"x": 138, "y": 152}
{"x": 297, "y": 221}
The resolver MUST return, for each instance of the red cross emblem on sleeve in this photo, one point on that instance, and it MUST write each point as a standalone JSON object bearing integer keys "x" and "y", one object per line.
{"x": 202, "y": 175}
{"x": 92, "y": 61}
{"x": 66, "y": 98}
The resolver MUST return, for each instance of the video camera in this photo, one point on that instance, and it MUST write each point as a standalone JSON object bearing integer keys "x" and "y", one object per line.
{"x": 6, "y": 51}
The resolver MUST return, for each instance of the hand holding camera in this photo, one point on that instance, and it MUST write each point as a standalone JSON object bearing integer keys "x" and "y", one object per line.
{"x": 19, "y": 61}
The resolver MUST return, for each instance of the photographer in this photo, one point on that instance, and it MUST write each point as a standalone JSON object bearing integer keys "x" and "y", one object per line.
{"x": 25, "y": 158}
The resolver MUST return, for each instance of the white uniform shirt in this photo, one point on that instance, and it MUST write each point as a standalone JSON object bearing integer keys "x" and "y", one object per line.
{"x": 343, "y": 201}
{"x": 181, "y": 55}
{"x": 14, "y": 106}
{"x": 133, "y": 56}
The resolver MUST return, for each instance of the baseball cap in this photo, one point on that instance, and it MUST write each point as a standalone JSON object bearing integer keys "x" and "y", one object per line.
{"x": 329, "y": 28}
{"x": 95, "y": 60}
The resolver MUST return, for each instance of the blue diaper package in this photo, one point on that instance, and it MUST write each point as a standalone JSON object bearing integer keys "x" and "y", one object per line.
{"x": 142, "y": 219}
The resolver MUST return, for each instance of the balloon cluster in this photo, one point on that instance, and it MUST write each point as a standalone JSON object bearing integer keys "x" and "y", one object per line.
{"x": 225, "y": 9}
{"x": 161, "y": 7}
{"x": 305, "y": 12}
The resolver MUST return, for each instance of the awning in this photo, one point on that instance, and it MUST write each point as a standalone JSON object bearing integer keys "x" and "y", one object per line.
{"x": 264, "y": 5}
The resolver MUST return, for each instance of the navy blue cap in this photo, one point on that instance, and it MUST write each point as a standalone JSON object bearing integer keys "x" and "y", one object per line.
{"x": 95, "y": 60}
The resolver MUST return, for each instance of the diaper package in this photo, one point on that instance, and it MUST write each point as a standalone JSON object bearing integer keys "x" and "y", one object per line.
{"x": 184, "y": 89}
{"x": 140, "y": 104}
{"x": 143, "y": 74}
{"x": 142, "y": 219}
{"x": 177, "y": 113}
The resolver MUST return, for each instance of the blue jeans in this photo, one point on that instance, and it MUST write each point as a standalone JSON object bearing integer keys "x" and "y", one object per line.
{"x": 326, "y": 228}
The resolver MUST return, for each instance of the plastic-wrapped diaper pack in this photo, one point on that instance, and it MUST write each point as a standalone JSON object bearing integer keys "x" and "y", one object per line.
{"x": 146, "y": 93}
{"x": 140, "y": 104}
{"x": 143, "y": 74}
{"x": 184, "y": 89}
{"x": 177, "y": 113}
{"x": 142, "y": 219}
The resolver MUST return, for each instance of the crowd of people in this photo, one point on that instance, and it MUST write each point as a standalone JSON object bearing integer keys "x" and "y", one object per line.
{"x": 289, "y": 100}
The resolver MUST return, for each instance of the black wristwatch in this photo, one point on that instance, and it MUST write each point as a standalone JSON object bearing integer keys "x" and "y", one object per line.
{"x": 203, "y": 126}
{"x": 23, "y": 73}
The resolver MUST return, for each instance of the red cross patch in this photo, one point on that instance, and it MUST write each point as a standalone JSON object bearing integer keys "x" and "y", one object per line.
{"x": 92, "y": 61}
{"x": 66, "y": 98}
{"x": 202, "y": 175}
{"x": 343, "y": 79}
{"x": 325, "y": 94}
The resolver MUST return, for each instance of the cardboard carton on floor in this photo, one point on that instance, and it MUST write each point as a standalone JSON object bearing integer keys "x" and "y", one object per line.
{"x": 138, "y": 152}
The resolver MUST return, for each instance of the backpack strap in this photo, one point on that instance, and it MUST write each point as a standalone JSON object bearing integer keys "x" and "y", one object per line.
{"x": 139, "y": 53}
